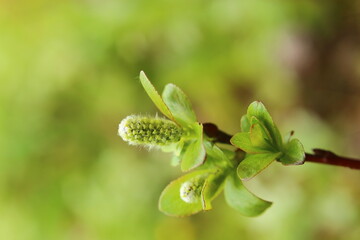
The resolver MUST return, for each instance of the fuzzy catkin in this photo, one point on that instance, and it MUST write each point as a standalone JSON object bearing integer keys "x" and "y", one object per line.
{"x": 190, "y": 191}
{"x": 149, "y": 131}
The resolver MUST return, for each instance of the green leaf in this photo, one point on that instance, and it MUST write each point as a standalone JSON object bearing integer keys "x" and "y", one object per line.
{"x": 259, "y": 137}
{"x": 294, "y": 153}
{"x": 258, "y": 110}
{"x": 172, "y": 204}
{"x": 175, "y": 160}
{"x": 170, "y": 148}
{"x": 212, "y": 188}
{"x": 245, "y": 124}
{"x": 216, "y": 157}
{"x": 179, "y": 104}
{"x": 195, "y": 153}
{"x": 154, "y": 96}
{"x": 262, "y": 129}
{"x": 229, "y": 154}
{"x": 242, "y": 140}
{"x": 239, "y": 198}
{"x": 255, "y": 163}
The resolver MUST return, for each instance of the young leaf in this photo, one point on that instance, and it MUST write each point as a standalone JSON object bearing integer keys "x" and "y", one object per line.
{"x": 212, "y": 188}
{"x": 216, "y": 157}
{"x": 179, "y": 104}
{"x": 259, "y": 137}
{"x": 239, "y": 198}
{"x": 294, "y": 153}
{"x": 228, "y": 153}
{"x": 242, "y": 140}
{"x": 264, "y": 132}
{"x": 154, "y": 96}
{"x": 195, "y": 153}
{"x": 258, "y": 110}
{"x": 175, "y": 160}
{"x": 171, "y": 202}
{"x": 245, "y": 124}
{"x": 255, "y": 163}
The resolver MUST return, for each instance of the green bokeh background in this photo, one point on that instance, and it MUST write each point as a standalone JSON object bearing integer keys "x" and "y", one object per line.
{"x": 69, "y": 74}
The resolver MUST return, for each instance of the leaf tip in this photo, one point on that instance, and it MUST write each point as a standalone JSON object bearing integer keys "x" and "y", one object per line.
{"x": 142, "y": 73}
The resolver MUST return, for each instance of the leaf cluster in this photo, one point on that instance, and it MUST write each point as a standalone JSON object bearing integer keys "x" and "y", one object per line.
{"x": 209, "y": 168}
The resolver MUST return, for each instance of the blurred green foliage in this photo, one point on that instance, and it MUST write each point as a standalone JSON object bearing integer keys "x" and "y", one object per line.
{"x": 68, "y": 75}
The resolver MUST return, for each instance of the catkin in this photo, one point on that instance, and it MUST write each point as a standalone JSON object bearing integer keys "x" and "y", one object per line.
{"x": 150, "y": 131}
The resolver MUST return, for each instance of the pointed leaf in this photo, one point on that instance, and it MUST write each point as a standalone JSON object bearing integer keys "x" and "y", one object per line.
{"x": 175, "y": 160}
{"x": 294, "y": 153}
{"x": 239, "y": 198}
{"x": 154, "y": 96}
{"x": 242, "y": 140}
{"x": 212, "y": 188}
{"x": 179, "y": 104}
{"x": 245, "y": 124}
{"x": 229, "y": 154}
{"x": 216, "y": 157}
{"x": 262, "y": 129}
{"x": 254, "y": 164}
{"x": 195, "y": 153}
{"x": 258, "y": 110}
{"x": 172, "y": 204}
{"x": 259, "y": 137}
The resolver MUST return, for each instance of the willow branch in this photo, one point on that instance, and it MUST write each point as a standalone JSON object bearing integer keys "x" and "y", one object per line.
{"x": 319, "y": 155}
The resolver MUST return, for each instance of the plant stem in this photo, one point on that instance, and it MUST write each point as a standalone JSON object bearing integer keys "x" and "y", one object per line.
{"x": 319, "y": 155}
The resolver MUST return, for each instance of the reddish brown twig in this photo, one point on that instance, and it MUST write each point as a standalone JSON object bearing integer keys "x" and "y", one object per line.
{"x": 319, "y": 155}
{"x": 327, "y": 157}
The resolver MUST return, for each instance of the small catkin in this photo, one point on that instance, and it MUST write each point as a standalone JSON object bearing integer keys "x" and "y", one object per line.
{"x": 149, "y": 131}
{"x": 190, "y": 191}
